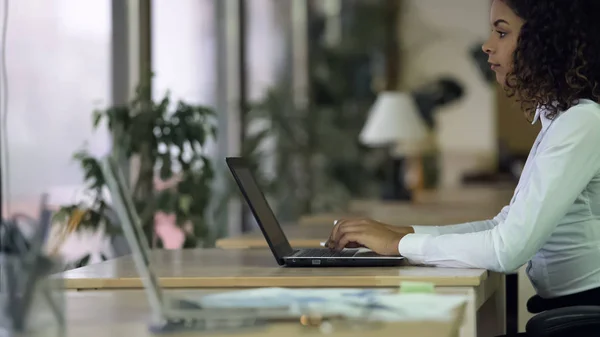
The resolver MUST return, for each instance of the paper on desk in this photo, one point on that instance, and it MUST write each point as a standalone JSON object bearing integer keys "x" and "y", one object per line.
{"x": 378, "y": 305}
{"x": 391, "y": 308}
{"x": 282, "y": 297}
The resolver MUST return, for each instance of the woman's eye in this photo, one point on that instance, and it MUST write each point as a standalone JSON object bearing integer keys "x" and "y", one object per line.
{"x": 502, "y": 34}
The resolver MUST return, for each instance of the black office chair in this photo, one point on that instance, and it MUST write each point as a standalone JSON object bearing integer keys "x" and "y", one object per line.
{"x": 575, "y": 321}
{"x": 550, "y": 319}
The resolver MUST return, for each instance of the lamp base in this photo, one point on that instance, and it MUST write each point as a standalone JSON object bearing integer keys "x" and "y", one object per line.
{"x": 394, "y": 188}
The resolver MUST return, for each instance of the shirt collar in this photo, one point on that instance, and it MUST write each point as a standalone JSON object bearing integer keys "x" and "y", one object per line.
{"x": 540, "y": 114}
{"x": 536, "y": 117}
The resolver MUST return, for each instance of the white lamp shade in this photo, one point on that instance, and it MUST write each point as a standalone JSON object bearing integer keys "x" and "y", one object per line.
{"x": 393, "y": 118}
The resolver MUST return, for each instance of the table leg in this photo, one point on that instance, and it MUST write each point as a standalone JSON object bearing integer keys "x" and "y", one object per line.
{"x": 512, "y": 304}
{"x": 468, "y": 327}
{"x": 485, "y": 313}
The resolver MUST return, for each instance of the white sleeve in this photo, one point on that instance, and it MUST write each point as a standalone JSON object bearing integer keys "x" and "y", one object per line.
{"x": 566, "y": 161}
{"x": 469, "y": 227}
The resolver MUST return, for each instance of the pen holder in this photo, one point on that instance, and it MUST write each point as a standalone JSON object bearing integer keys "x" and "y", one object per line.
{"x": 31, "y": 297}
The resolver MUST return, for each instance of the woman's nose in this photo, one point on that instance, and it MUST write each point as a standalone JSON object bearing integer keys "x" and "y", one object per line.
{"x": 486, "y": 48}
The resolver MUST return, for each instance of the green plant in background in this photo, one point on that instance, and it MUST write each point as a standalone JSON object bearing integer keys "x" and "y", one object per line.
{"x": 346, "y": 76}
{"x": 317, "y": 158}
{"x": 297, "y": 155}
{"x": 165, "y": 140}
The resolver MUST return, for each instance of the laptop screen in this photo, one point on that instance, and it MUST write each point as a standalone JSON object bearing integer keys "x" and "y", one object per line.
{"x": 260, "y": 208}
{"x": 122, "y": 203}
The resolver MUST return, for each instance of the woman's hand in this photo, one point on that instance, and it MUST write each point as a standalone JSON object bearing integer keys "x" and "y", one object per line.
{"x": 361, "y": 232}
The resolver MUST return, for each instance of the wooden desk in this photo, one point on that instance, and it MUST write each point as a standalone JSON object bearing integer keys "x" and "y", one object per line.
{"x": 439, "y": 207}
{"x": 126, "y": 313}
{"x": 235, "y": 269}
{"x": 217, "y": 268}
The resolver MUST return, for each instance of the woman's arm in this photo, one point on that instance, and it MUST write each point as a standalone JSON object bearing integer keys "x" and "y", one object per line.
{"x": 469, "y": 227}
{"x": 566, "y": 161}
{"x": 463, "y": 228}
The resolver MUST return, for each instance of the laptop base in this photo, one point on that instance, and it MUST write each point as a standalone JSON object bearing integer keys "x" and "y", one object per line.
{"x": 343, "y": 262}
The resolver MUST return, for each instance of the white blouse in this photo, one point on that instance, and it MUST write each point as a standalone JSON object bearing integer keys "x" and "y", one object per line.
{"x": 552, "y": 222}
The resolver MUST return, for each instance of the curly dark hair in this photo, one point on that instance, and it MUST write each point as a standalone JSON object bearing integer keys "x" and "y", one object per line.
{"x": 557, "y": 58}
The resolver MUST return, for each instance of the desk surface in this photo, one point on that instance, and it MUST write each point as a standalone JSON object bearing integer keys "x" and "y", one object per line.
{"x": 126, "y": 313}
{"x": 216, "y": 268}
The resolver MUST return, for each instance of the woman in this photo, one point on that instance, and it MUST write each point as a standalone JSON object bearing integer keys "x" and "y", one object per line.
{"x": 547, "y": 54}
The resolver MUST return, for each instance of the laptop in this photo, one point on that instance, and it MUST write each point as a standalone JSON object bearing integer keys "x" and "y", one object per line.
{"x": 170, "y": 313}
{"x": 278, "y": 242}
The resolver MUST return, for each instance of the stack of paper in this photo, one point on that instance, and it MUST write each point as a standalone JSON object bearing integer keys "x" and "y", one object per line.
{"x": 378, "y": 305}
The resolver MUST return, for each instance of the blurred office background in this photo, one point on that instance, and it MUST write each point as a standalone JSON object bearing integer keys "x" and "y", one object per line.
{"x": 292, "y": 85}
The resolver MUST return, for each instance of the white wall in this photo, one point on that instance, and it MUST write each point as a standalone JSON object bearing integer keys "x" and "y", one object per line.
{"x": 436, "y": 37}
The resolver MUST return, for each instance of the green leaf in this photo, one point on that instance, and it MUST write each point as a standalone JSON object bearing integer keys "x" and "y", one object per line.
{"x": 166, "y": 168}
{"x": 164, "y": 103}
{"x": 167, "y": 201}
{"x": 189, "y": 242}
{"x": 113, "y": 231}
{"x": 185, "y": 164}
{"x": 83, "y": 261}
{"x": 184, "y": 203}
{"x": 159, "y": 243}
{"x": 199, "y": 225}
{"x": 197, "y": 134}
{"x": 64, "y": 213}
{"x": 207, "y": 168}
{"x": 252, "y": 142}
{"x": 181, "y": 219}
{"x": 97, "y": 117}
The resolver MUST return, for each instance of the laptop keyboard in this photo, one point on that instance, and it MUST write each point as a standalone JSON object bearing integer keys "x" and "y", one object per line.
{"x": 318, "y": 252}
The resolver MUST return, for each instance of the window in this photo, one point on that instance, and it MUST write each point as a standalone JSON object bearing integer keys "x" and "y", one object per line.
{"x": 58, "y": 67}
{"x": 183, "y": 50}
{"x": 265, "y": 34}
{"x": 183, "y": 57}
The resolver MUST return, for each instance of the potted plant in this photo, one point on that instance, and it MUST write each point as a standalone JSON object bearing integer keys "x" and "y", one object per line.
{"x": 168, "y": 141}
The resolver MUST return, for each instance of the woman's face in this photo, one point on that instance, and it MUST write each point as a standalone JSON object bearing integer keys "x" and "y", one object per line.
{"x": 500, "y": 46}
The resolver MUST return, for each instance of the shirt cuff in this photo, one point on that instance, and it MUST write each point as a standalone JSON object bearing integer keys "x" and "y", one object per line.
{"x": 433, "y": 230}
{"x": 411, "y": 247}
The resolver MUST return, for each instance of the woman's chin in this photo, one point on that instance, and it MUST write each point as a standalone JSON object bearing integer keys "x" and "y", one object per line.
{"x": 501, "y": 79}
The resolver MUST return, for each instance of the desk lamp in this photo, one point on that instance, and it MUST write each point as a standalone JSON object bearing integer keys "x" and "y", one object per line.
{"x": 394, "y": 122}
